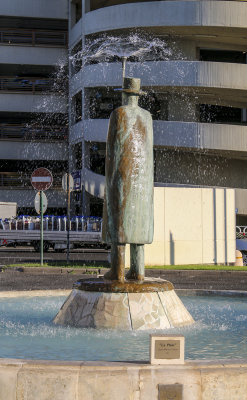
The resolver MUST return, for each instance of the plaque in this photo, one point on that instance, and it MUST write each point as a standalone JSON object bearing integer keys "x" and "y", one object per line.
{"x": 167, "y": 349}
{"x": 170, "y": 392}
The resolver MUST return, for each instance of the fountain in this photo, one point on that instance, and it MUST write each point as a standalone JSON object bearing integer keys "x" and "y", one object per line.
{"x": 93, "y": 303}
{"x": 116, "y": 301}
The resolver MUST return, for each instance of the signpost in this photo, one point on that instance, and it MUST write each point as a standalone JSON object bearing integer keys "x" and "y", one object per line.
{"x": 41, "y": 179}
{"x": 68, "y": 185}
{"x": 38, "y": 201}
{"x": 77, "y": 179}
{"x": 67, "y": 182}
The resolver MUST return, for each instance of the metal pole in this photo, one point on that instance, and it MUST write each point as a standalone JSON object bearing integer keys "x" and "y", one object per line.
{"x": 68, "y": 215}
{"x": 69, "y": 148}
{"x": 124, "y": 59}
{"x": 41, "y": 228}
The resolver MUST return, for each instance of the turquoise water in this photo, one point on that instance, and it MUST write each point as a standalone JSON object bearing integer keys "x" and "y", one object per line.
{"x": 26, "y": 331}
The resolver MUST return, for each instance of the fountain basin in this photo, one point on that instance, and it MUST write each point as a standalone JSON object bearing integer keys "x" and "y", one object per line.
{"x": 218, "y": 337}
{"x": 97, "y": 303}
{"x": 27, "y": 331}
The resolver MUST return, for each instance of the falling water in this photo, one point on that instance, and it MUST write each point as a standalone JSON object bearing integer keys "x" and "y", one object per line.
{"x": 135, "y": 47}
{"x": 139, "y": 49}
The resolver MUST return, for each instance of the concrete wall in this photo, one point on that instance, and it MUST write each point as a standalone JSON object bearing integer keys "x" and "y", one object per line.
{"x": 51, "y": 380}
{"x": 76, "y": 83}
{"x": 177, "y": 134}
{"x": 200, "y": 135}
{"x": 168, "y": 13}
{"x": 171, "y": 73}
{"x": 192, "y": 226}
{"x": 75, "y": 33}
{"x": 25, "y": 198}
{"x": 32, "y": 103}
{"x": 33, "y": 150}
{"x": 76, "y": 133}
{"x": 35, "y": 8}
{"x": 32, "y": 55}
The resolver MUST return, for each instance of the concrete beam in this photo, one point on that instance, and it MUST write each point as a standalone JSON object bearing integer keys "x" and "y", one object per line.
{"x": 194, "y": 135}
{"x": 25, "y": 197}
{"x": 168, "y": 13}
{"x": 35, "y": 8}
{"x": 163, "y": 74}
{"x": 28, "y": 55}
{"x": 11, "y": 150}
{"x": 18, "y": 102}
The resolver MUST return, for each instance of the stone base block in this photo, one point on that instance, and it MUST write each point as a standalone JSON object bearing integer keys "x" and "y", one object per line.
{"x": 128, "y": 311}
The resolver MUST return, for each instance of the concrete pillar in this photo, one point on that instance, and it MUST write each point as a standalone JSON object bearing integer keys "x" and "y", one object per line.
{"x": 72, "y": 20}
{"x": 86, "y": 5}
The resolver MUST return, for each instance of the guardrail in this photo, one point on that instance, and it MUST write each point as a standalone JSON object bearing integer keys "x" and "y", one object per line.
{"x": 78, "y": 223}
{"x": 33, "y": 37}
{"x": 25, "y": 84}
{"x": 25, "y": 132}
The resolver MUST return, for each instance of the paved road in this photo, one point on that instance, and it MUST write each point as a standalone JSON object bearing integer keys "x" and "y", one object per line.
{"x": 11, "y": 255}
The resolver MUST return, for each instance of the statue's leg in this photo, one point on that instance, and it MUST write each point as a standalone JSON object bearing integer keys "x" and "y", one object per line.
{"x": 116, "y": 272}
{"x": 136, "y": 271}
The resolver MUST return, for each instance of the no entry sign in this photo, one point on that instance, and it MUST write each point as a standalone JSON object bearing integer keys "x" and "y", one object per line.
{"x": 41, "y": 179}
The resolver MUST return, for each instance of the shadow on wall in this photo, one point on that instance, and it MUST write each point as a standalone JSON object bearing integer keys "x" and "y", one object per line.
{"x": 215, "y": 227}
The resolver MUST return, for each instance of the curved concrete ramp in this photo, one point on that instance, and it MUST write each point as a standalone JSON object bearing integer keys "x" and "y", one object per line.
{"x": 94, "y": 183}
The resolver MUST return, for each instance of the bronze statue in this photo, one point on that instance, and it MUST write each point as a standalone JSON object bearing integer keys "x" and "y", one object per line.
{"x": 128, "y": 206}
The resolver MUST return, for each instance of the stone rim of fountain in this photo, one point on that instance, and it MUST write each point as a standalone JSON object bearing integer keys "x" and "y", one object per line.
{"x": 108, "y": 286}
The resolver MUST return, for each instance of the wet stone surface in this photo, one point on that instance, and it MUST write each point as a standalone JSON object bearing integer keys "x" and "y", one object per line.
{"x": 103, "y": 285}
{"x": 122, "y": 310}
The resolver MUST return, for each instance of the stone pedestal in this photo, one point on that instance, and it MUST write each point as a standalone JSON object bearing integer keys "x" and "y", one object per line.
{"x": 96, "y": 303}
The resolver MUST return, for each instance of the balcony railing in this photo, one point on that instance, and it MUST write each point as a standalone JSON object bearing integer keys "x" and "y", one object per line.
{"x": 25, "y": 84}
{"x": 24, "y": 132}
{"x": 15, "y": 180}
{"x": 34, "y": 37}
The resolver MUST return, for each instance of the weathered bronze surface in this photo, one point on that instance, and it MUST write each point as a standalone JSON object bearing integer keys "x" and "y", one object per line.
{"x": 128, "y": 206}
{"x": 102, "y": 285}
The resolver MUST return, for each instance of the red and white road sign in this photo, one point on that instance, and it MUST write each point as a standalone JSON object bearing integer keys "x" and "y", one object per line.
{"x": 41, "y": 179}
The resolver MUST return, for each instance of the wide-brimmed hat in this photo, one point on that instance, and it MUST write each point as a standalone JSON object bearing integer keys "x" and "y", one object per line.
{"x": 132, "y": 86}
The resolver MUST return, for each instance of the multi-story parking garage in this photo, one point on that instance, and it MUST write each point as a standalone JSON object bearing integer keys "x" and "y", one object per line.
{"x": 33, "y": 126}
{"x": 196, "y": 94}
{"x": 199, "y": 91}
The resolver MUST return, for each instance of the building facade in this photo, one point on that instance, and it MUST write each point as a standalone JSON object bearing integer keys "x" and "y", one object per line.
{"x": 33, "y": 102}
{"x": 197, "y": 91}
{"x": 194, "y": 76}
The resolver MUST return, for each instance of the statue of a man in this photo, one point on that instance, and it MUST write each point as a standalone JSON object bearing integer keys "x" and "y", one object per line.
{"x": 128, "y": 206}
